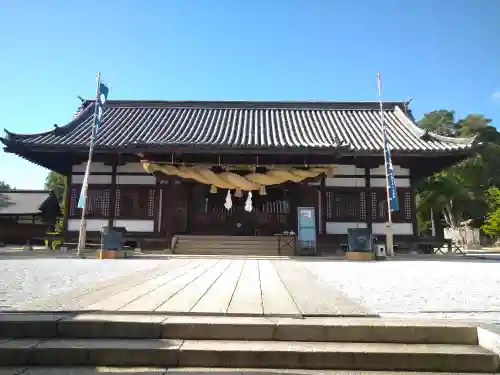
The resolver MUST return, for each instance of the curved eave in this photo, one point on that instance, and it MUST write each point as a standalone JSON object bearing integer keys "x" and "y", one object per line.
{"x": 463, "y": 143}
{"x": 467, "y": 142}
{"x": 58, "y": 130}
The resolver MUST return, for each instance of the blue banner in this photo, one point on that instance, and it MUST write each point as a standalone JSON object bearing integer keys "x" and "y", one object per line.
{"x": 102, "y": 96}
{"x": 391, "y": 181}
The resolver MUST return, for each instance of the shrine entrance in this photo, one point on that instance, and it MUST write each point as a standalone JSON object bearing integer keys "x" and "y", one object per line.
{"x": 271, "y": 213}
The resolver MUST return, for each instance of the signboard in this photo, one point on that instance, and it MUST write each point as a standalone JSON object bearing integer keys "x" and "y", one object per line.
{"x": 307, "y": 227}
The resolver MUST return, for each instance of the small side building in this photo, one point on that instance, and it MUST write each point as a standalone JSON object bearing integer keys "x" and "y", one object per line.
{"x": 26, "y": 214}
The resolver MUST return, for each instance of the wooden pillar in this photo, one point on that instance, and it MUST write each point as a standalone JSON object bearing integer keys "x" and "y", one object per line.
{"x": 112, "y": 203}
{"x": 368, "y": 197}
{"x": 158, "y": 209}
{"x": 167, "y": 210}
{"x": 413, "y": 194}
{"x": 293, "y": 197}
{"x": 67, "y": 197}
{"x": 322, "y": 191}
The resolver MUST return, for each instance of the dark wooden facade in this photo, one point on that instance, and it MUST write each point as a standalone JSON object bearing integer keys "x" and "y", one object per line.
{"x": 177, "y": 206}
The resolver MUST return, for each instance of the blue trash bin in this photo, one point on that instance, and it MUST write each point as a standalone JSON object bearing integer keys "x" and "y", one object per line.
{"x": 113, "y": 238}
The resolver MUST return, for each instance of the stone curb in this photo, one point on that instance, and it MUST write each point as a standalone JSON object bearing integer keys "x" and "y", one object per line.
{"x": 197, "y": 371}
{"x": 292, "y": 355}
{"x": 203, "y": 327}
{"x": 489, "y": 338}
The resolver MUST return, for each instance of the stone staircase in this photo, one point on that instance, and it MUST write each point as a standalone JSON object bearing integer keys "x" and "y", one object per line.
{"x": 31, "y": 343}
{"x": 232, "y": 245}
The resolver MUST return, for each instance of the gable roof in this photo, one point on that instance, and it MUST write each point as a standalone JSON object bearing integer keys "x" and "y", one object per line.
{"x": 25, "y": 202}
{"x": 355, "y": 126}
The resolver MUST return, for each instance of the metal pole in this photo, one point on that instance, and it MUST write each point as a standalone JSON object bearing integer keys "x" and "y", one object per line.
{"x": 433, "y": 224}
{"x": 388, "y": 233}
{"x": 82, "y": 238}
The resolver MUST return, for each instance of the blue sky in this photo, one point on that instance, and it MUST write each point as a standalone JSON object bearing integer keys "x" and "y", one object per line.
{"x": 441, "y": 53}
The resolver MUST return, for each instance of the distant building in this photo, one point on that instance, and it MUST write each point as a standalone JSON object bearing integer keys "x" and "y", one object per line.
{"x": 26, "y": 214}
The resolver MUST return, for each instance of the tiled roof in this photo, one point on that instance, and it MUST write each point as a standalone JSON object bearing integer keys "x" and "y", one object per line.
{"x": 352, "y": 125}
{"x": 23, "y": 202}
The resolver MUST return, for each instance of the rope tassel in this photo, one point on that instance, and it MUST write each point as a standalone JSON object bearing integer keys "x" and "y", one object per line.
{"x": 248, "y": 202}
{"x": 229, "y": 202}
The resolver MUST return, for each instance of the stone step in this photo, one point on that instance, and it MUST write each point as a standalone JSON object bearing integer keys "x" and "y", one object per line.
{"x": 225, "y": 237}
{"x": 230, "y": 240}
{"x": 234, "y": 250}
{"x": 203, "y": 245}
{"x": 229, "y": 245}
{"x": 257, "y": 354}
{"x": 232, "y": 257}
{"x": 263, "y": 371}
{"x": 225, "y": 252}
{"x": 100, "y": 370}
{"x": 205, "y": 327}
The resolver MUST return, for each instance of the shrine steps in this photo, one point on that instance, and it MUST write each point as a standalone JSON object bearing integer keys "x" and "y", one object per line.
{"x": 354, "y": 345}
{"x": 232, "y": 245}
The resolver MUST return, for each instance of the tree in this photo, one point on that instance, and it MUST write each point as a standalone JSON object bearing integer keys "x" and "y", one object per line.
{"x": 458, "y": 193}
{"x": 491, "y": 225}
{"x": 5, "y": 186}
{"x": 441, "y": 122}
{"x": 477, "y": 125}
{"x": 57, "y": 183}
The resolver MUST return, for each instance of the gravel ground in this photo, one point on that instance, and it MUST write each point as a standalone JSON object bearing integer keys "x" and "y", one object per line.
{"x": 442, "y": 289}
{"x": 436, "y": 288}
{"x": 25, "y": 280}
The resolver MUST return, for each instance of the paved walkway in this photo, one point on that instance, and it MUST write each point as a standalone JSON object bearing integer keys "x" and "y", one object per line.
{"x": 221, "y": 286}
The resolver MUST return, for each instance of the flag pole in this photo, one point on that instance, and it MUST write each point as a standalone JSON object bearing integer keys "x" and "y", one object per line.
{"x": 82, "y": 238}
{"x": 433, "y": 224}
{"x": 388, "y": 233}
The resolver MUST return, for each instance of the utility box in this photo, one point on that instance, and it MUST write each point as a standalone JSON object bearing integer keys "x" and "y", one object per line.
{"x": 359, "y": 240}
{"x": 380, "y": 252}
{"x": 113, "y": 238}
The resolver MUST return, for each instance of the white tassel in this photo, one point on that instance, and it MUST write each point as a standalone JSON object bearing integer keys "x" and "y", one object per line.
{"x": 229, "y": 201}
{"x": 248, "y": 202}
